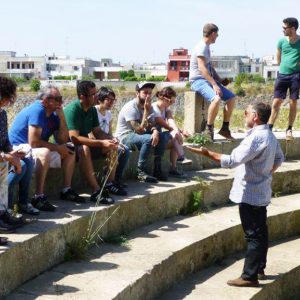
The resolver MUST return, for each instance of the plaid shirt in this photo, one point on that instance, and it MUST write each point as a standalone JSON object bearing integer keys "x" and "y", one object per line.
{"x": 254, "y": 159}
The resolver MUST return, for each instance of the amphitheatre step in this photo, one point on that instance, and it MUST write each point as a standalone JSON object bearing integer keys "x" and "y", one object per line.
{"x": 43, "y": 244}
{"x": 291, "y": 150}
{"x": 282, "y": 278}
{"x": 156, "y": 256}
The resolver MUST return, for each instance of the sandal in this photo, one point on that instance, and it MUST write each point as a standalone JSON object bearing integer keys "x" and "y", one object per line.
{"x": 3, "y": 241}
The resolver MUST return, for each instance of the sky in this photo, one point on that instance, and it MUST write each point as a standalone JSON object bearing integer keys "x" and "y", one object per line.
{"x": 131, "y": 31}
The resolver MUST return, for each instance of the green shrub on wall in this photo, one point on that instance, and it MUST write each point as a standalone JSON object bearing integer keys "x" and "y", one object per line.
{"x": 35, "y": 85}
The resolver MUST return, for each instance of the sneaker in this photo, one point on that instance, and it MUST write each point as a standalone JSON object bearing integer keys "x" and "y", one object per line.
{"x": 121, "y": 184}
{"x": 184, "y": 161}
{"x": 71, "y": 195}
{"x": 144, "y": 177}
{"x": 240, "y": 282}
{"x": 210, "y": 133}
{"x": 6, "y": 228}
{"x": 177, "y": 174}
{"x": 116, "y": 189}
{"x": 10, "y": 219}
{"x": 157, "y": 173}
{"x": 289, "y": 135}
{"x": 102, "y": 198}
{"x": 28, "y": 209}
{"x": 42, "y": 203}
{"x": 226, "y": 134}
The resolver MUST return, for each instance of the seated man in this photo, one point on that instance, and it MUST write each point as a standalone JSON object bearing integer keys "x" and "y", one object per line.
{"x": 34, "y": 125}
{"x": 136, "y": 127}
{"x": 82, "y": 120}
{"x": 205, "y": 81}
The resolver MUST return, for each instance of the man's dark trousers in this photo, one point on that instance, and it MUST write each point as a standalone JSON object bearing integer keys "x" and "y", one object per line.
{"x": 254, "y": 223}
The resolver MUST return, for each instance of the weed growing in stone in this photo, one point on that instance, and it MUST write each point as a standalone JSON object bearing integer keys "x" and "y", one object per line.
{"x": 77, "y": 249}
{"x": 199, "y": 139}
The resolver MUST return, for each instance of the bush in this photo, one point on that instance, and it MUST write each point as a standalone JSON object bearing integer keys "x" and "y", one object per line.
{"x": 35, "y": 85}
{"x": 62, "y": 77}
{"x": 239, "y": 91}
{"x": 156, "y": 78}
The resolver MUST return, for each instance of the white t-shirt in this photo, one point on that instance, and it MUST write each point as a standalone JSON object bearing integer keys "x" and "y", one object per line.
{"x": 104, "y": 120}
{"x": 201, "y": 49}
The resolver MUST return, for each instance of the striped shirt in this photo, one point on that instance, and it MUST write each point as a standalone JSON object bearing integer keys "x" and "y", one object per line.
{"x": 254, "y": 160}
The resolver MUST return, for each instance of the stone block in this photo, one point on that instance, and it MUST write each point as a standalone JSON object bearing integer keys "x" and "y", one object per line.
{"x": 195, "y": 112}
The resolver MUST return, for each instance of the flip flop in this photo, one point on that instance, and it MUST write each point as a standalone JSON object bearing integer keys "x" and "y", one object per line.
{"x": 3, "y": 241}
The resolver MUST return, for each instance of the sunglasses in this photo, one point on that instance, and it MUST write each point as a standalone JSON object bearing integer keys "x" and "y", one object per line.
{"x": 55, "y": 98}
{"x": 285, "y": 28}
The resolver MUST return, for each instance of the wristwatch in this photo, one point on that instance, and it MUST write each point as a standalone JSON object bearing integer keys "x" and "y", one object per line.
{"x": 2, "y": 155}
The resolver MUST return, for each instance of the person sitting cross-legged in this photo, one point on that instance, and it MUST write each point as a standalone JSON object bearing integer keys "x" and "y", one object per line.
{"x": 136, "y": 128}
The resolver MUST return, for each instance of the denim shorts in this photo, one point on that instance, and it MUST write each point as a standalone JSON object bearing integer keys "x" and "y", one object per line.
{"x": 284, "y": 83}
{"x": 205, "y": 89}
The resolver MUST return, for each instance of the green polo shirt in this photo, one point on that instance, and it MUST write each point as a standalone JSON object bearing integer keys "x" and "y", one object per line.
{"x": 290, "y": 56}
{"x": 80, "y": 120}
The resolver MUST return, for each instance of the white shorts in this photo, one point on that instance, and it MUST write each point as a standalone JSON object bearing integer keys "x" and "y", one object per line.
{"x": 55, "y": 159}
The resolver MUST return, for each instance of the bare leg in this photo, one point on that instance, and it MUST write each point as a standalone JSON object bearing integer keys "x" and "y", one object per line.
{"x": 87, "y": 168}
{"x": 228, "y": 109}
{"x": 275, "y": 110}
{"x": 41, "y": 169}
{"x": 68, "y": 165}
{"x": 292, "y": 112}
{"x": 213, "y": 110}
{"x": 173, "y": 154}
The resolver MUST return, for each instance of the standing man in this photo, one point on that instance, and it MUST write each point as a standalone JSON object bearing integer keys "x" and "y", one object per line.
{"x": 205, "y": 81}
{"x": 34, "y": 125}
{"x": 82, "y": 119}
{"x": 136, "y": 127}
{"x": 288, "y": 57}
{"x": 255, "y": 159}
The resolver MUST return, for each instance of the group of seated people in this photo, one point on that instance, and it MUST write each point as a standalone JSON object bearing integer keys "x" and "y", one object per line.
{"x": 47, "y": 135}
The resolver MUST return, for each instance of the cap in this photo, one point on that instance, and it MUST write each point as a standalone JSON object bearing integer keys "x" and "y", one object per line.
{"x": 144, "y": 84}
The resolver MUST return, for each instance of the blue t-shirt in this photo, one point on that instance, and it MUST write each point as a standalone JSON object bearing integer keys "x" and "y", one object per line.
{"x": 34, "y": 115}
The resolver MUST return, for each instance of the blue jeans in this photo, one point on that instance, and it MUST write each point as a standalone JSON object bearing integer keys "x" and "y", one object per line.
{"x": 22, "y": 179}
{"x": 123, "y": 156}
{"x": 143, "y": 143}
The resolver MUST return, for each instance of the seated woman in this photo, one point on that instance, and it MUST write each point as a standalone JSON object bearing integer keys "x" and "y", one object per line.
{"x": 105, "y": 100}
{"x": 174, "y": 135}
{"x": 18, "y": 170}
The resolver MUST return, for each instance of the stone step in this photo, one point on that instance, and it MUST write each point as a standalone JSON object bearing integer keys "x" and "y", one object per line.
{"x": 43, "y": 244}
{"x": 290, "y": 148}
{"x": 157, "y": 256}
{"x": 282, "y": 278}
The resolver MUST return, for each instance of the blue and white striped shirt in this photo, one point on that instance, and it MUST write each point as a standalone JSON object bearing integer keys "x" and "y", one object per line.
{"x": 254, "y": 160}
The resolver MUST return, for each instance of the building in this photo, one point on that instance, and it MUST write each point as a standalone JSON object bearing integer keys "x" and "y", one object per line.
{"x": 146, "y": 70}
{"x": 45, "y": 67}
{"x": 178, "y": 65}
{"x": 22, "y": 66}
{"x": 107, "y": 70}
{"x": 270, "y": 67}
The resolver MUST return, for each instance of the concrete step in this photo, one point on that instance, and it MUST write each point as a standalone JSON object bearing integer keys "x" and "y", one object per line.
{"x": 157, "y": 256}
{"x": 282, "y": 278}
{"x": 43, "y": 244}
{"x": 290, "y": 148}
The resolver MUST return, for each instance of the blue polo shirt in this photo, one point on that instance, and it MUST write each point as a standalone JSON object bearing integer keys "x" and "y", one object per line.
{"x": 34, "y": 115}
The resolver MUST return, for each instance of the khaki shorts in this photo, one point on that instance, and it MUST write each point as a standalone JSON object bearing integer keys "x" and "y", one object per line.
{"x": 55, "y": 159}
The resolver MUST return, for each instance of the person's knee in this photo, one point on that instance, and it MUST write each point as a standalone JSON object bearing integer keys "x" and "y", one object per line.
{"x": 43, "y": 155}
{"x": 83, "y": 151}
{"x": 216, "y": 100}
{"x": 276, "y": 104}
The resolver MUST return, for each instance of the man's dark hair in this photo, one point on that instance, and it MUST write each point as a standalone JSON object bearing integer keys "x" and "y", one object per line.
{"x": 8, "y": 89}
{"x": 104, "y": 93}
{"x": 291, "y": 22}
{"x": 209, "y": 28}
{"x": 263, "y": 111}
{"x": 83, "y": 87}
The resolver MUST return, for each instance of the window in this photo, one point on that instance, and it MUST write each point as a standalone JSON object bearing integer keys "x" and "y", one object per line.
{"x": 257, "y": 69}
{"x": 18, "y": 66}
{"x": 23, "y": 66}
{"x": 143, "y": 75}
{"x": 8, "y": 65}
